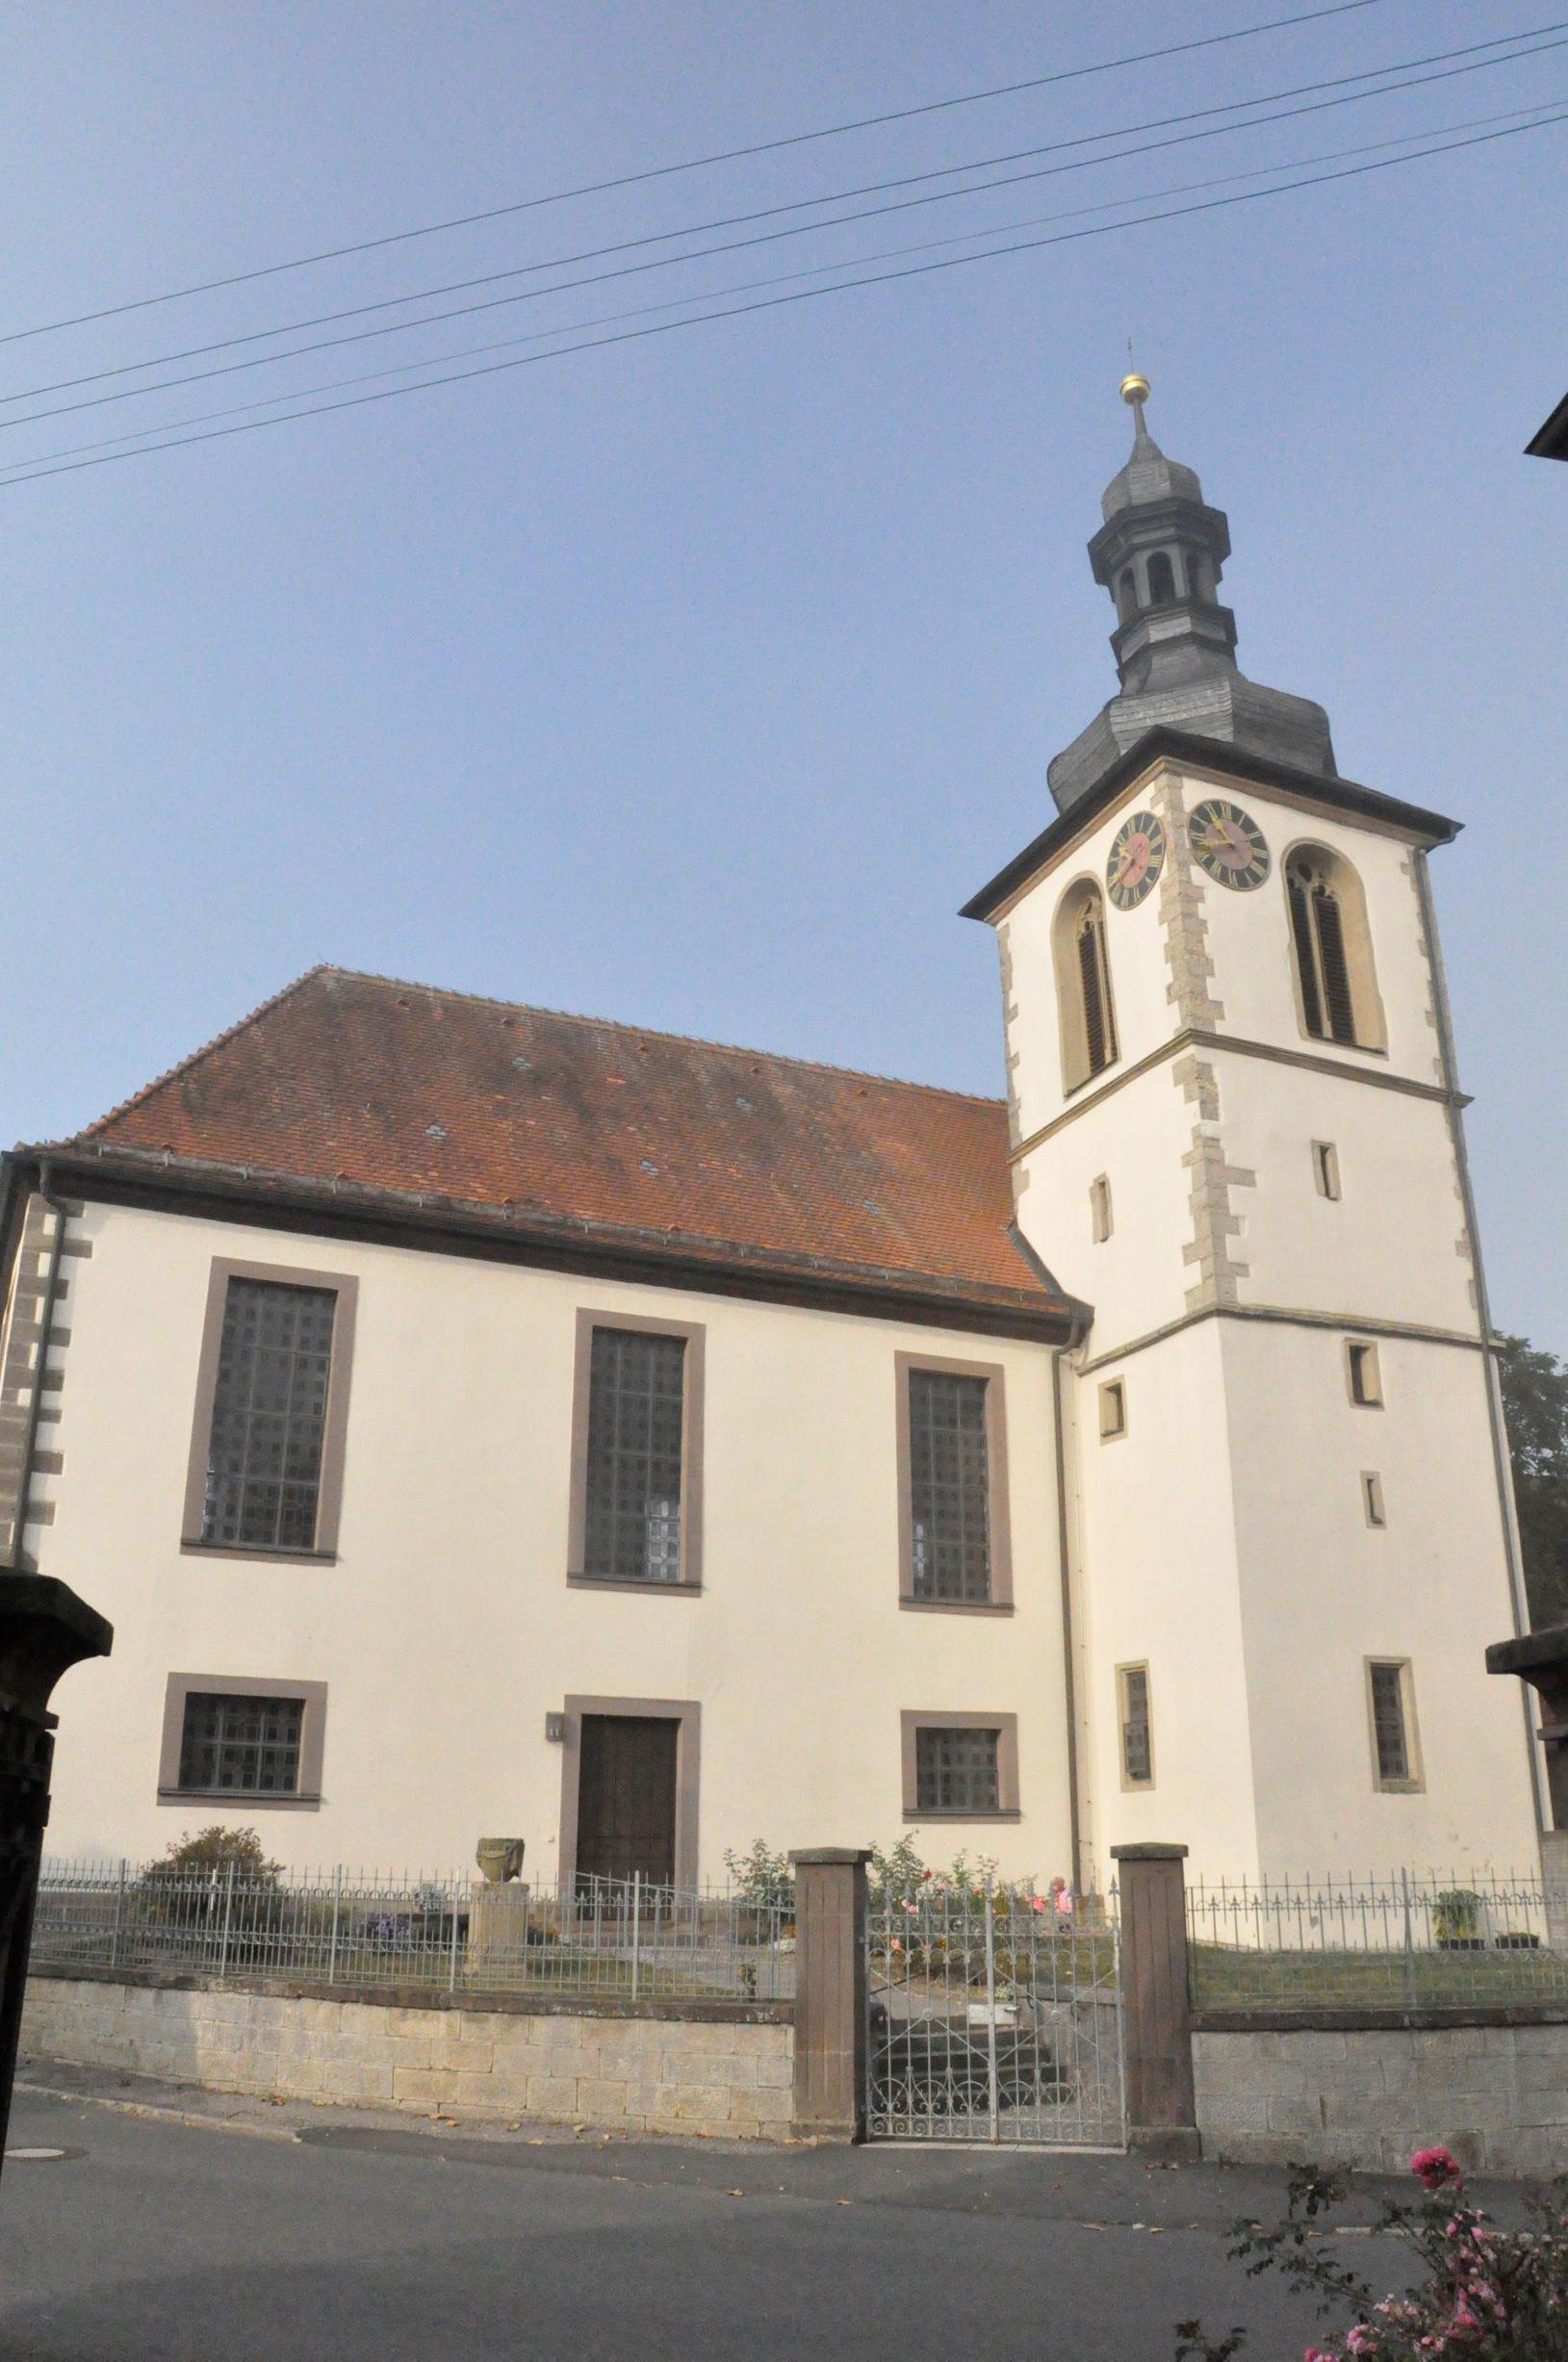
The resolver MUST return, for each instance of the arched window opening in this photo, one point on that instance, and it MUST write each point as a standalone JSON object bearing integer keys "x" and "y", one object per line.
{"x": 1335, "y": 979}
{"x": 1126, "y": 594}
{"x": 1083, "y": 986}
{"x": 1161, "y": 579}
{"x": 1197, "y": 575}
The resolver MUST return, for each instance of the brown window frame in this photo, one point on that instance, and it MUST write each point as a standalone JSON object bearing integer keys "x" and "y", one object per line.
{"x": 312, "y": 1695}
{"x": 694, "y": 1335}
{"x": 1006, "y": 1727}
{"x": 687, "y": 1715}
{"x": 335, "y": 1426}
{"x": 994, "y": 1375}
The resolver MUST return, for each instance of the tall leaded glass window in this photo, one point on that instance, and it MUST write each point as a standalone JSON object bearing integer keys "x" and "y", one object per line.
{"x": 1137, "y": 1734}
{"x": 264, "y": 1456}
{"x": 636, "y": 1417}
{"x": 949, "y": 1487}
{"x": 957, "y": 1770}
{"x": 1390, "y": 1727}
{"x": 245, "y": 1745}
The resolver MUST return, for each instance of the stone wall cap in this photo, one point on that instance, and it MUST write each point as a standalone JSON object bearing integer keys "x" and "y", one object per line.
{"x": 1148, "y": 1853}
{"x": 1372, "y": 2018}
{"x": 705, "y": 2009}
{"x": 809, "y": 1856}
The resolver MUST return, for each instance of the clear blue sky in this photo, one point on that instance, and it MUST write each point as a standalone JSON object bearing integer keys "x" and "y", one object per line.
{"x": 697, "y": 682}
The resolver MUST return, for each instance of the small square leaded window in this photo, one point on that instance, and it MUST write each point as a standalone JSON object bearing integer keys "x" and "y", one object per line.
{"x": 246, "y": 1746}
{"x": 636, "y": 1402}
{"x": 949, "y": 1487}
{"x": 956, "y": 1771}
{"x": 264, "y": 1455}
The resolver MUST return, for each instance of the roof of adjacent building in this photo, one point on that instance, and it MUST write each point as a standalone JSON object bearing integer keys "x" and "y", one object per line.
{"x": 369, "y": 1088}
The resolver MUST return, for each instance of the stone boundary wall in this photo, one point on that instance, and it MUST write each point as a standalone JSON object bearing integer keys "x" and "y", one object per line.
{"x": 1365, "y": 2090}
{"x": 681, "y": 2066}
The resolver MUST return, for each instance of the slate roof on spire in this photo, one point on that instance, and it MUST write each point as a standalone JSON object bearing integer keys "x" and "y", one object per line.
{"x": 1147, "y": 477}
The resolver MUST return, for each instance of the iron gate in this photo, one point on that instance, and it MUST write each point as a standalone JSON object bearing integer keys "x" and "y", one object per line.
{"x": 994, "y": 2015}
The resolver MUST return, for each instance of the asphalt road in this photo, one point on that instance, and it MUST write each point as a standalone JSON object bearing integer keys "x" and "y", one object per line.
{"x": 310, "y": 2237}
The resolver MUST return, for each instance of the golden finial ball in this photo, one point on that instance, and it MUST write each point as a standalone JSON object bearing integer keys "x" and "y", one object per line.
{"x": 1135, "y": 387}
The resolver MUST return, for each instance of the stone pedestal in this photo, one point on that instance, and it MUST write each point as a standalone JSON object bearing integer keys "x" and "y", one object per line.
{"x": 498, "y": 1930}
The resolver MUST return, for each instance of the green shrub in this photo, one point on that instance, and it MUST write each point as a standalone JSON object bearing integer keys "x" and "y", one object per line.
{"x": 215, "y": 1851}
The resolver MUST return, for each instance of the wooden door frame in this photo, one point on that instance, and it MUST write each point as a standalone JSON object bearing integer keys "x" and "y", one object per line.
{"x": 688, "y": 1716}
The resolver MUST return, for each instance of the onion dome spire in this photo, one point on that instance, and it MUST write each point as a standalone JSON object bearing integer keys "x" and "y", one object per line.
{"x": 1159, "y": 552}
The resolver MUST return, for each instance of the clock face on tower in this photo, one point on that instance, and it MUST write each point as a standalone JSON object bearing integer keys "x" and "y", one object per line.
{"x": 1228, "y": 844}
{"x": 1137, "y": 858}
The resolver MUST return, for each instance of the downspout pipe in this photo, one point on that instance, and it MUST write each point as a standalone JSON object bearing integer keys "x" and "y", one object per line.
{"x": 1082, "y": 1318}
{"x": 35, "y": 1408}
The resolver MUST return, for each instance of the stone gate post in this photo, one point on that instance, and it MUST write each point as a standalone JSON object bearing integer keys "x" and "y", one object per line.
{"x": 830, "y": 1993}
{"x": 1157, "y": 2030}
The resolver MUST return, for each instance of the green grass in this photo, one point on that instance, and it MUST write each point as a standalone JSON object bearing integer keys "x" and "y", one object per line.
{"x": 1234, "y": 1977}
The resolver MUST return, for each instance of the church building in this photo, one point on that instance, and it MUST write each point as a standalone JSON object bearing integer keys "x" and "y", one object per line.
{"x": 475, "y": 1420}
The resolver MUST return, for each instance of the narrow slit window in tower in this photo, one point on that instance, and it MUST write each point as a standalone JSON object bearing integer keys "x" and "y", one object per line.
{"x": 1161, "y": 581}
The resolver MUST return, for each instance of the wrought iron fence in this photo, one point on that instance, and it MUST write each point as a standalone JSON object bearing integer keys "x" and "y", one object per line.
{"x": 995, "y": 2015}
{"x": 629, "y": 1939}
{"x": 1407, "y": 1942}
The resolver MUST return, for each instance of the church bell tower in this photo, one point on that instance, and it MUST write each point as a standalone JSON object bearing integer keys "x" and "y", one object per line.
{"x": 1236, "y": 1135}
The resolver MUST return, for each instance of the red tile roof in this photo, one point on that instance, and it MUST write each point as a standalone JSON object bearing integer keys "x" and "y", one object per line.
{"x": 369, "y": 1084}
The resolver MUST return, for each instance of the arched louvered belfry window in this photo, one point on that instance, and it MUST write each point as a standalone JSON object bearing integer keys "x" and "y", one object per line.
{"x": 1083, "y": 986}
{"x": 1161, "y": 581}
{"x": 1336, "y": 983}
{"x": 1126, "y": 595}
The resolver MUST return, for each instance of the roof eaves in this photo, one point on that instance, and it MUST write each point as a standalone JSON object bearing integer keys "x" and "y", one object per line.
{"x": 81, "y": 1157}
{"x": 1212, "y": 753}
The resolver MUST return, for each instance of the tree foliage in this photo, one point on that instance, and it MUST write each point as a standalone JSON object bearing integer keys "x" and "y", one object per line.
{"x": 212, "y": 1853}
{"x": 1535, "y": 1406}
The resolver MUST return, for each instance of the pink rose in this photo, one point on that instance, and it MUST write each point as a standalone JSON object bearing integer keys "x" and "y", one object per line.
{"x": 1433, "y": 2167}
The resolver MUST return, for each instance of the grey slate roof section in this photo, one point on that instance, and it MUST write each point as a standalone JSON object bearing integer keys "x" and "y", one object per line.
{"x": 1175, "y": 648}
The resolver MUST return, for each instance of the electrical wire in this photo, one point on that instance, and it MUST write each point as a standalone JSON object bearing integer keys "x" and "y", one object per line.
{"x": 817, "y": 270}
{"x": 35, "y": 474}
{"x": 1413, "y": 80}
{"x": 697, "y": 163}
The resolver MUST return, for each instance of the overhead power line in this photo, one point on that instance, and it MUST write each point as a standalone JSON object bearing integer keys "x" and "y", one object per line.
{"x": 34, "y": 473}
{"x": 1413, "y": 79}
{"x": 697, "y": 163}
{"x": 817, "y": 270}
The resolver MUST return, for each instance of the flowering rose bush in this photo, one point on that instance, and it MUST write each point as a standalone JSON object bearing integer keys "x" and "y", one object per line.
{"x": 1488, "y": 2294}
